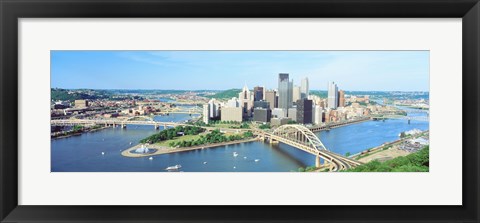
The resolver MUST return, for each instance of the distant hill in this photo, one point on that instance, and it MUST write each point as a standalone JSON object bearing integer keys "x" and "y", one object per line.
{"x": 322, "y": 94}
{"x": 226, "y": 94}
{"x": 58, "y": 94}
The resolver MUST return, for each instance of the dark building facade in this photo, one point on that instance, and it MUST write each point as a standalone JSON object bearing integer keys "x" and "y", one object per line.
{"x": 262, "y": 114}
{"x": 261, "y": 104}
{"x": 257, "y": 93}
{"x": 304, "y": 111}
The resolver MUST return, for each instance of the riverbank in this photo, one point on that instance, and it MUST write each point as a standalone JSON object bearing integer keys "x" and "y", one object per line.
{"x": 338, "y": 124}
{"x": 386, "y": 151}
{"x": 69, "y": 134}
{"x": 166, "y": 150}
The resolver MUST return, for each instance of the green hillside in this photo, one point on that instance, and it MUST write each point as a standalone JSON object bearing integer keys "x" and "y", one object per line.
{"x": 226, "y": 94}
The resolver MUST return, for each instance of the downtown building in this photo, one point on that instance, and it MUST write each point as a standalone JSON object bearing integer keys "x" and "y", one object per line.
{"x": 232, "y": 111}
{"x": 296, "y": 93}
{"x": 285, "y": 94}
{"x": 317, "y": 114}
{"x": 261, "y": 111}
{"x": 272, "y": 98}
{"x": 258, "y": 93}
{"x": 211, "y": 110}
{"x": 332, "y": 101}
{"x": 304, "y": 111}
{"x": 305, "y": 91}
{"x": 246, "y": 101}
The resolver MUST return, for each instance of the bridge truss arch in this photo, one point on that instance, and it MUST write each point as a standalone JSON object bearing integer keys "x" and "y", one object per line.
{"x": 300, "y": 134}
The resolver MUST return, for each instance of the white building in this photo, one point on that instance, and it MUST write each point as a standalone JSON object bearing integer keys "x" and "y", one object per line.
{"x": 246, "y": 101}
{"x": 279, "y": 113}
{"x": 233, "y": 103}
{"x": 214, "y": 108}
{"x": 317, "y": 114}
{"x": 332, "y": 102}
{"x": 205, "y": 113}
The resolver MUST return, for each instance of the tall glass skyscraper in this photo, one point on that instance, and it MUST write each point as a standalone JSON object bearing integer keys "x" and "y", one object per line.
{"x": 304, "y": 88}
{"x": 284, "y": 91}
{"x": 332, "y": 95}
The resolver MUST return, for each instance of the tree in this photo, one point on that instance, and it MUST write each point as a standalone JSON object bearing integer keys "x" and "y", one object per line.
{"x": 347, "y": 154}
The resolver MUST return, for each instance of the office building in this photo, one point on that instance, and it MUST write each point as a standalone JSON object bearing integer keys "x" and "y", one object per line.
{"x": 246, "y": 101}
{"x": 341, "y": 98}
{"x": 279, "y": 121}
{"x": 305, "y": 91}
{"x": 296, "y": 95}
{"x": 233, "y": 103}
{"x": 232, "y": 114}
{"x": 332, "y": 96}
{"x": 261, "y": 104}
{"x": 258, "y": 93}
{"x": 304, "y": 111}
{"x": 317, "y": 115}
{"x": 284, "y": 91}
{"x": 262, "y": 114}
{"x": 279, "y": 113}
{"x": 272, "y": 98}
{"x": 292, "y": 114}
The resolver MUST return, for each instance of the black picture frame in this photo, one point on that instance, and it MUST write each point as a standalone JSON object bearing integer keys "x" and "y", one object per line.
{"x": 12, "y": 10}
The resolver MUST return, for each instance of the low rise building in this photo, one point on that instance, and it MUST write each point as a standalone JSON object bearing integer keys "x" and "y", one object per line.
{"x": 232, "y": 114}
{"x": 262, "y": 114}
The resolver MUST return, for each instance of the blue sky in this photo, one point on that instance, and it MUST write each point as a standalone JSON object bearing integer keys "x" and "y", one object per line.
{"x": 220, "y": 70}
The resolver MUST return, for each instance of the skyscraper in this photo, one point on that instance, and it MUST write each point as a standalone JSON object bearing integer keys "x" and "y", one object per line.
{"x": 271, "y": 97}
{"x": 304, "y": 111}
{"x": 297, "y": 93}
{"x": 341, "y": 98}
{"x": 284, "y": 91}
{"x": 304, "y": 88}
{"x": 332, "y": 95}
{"x": 258, "y": 93}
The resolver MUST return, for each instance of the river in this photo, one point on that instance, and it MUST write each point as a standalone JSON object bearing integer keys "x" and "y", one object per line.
{"x": 83, "y": 153}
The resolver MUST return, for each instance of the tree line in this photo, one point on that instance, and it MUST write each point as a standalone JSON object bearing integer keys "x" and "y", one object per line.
{"x": 213, "y": 137}
{"x": 172, "y": 133}
{"x": 415, "y": 162}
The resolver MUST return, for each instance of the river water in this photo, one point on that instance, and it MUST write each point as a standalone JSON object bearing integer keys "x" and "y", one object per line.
{"x": 83, "y": 153}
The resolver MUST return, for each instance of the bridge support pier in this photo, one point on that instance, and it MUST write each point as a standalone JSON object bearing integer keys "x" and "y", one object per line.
{"x": 124, "y": 126}
{"x": 317, "y": 162}
{"x": 156, "y": 127}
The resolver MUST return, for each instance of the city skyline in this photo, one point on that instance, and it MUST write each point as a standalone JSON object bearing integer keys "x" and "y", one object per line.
{"x": 222, "y": 70}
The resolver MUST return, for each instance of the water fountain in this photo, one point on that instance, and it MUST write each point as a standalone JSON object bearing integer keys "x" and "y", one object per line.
{"x": 142, "y": 149}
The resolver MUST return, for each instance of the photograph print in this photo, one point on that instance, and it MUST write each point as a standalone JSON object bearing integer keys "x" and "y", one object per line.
{"x": 239, "y": 111}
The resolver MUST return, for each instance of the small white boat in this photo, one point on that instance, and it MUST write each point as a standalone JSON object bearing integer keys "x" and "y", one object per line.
{"x": 176, "y": 167}
{"x": 234, "y": 167}
{"x": 256, "y": 160}
{"x": 245, "y": 157}
{"x": 235, "y": 154}
{"x": 103, "y": 153}
{"x": 151, "y": 158}
{"x": 130, "y": 143}
{"x": 204, "y": 162}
